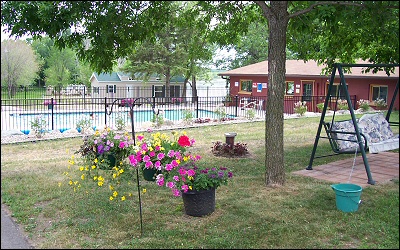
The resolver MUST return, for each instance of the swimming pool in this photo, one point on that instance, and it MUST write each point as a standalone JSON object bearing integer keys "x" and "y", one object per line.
{"x": 64, "y": 121}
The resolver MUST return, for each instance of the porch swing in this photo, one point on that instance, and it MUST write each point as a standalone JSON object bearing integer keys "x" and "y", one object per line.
{"x": 354, "y": 136}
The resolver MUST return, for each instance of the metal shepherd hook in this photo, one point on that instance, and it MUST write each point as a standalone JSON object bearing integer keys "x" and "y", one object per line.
{"x": 131, "y": 105}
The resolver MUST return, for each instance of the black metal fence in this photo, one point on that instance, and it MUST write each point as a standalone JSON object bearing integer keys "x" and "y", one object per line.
{"x": 65, "y": 112}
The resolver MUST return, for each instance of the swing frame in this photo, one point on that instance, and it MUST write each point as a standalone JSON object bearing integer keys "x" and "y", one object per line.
{"x": 342, "y": 85}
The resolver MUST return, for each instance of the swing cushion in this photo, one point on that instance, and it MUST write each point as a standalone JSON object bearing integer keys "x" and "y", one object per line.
{"x": 373, "y": 127}
{"x": 345, "y": 141}
{"x": 379, "y": 135}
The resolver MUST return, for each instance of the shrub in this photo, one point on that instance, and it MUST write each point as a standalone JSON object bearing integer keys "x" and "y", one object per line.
{"x": 300, "y": 107}
{"x": 250, "y": 114}
{"x": 363, "y": 105}
{"x": 221, "y": 113}
{"x": 342, "y": 104}
{"x": 39, "y": 126}
{"x": 380, "y": 103}
{"x": 83, "y": 124}
{"x": 187, "y": 116}
{"x": 224, "y": 149}
{"x": 120, "y": 122}
{"x": 320, "y": 107}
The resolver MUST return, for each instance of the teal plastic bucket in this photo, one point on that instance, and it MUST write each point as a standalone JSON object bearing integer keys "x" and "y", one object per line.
{"x": 347, "y": 196}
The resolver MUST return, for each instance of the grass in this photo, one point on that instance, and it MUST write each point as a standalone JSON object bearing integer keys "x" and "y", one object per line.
{"x": 301, "y": 214}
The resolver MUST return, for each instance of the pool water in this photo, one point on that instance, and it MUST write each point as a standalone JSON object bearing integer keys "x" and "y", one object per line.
{"x": 65, "y": 121}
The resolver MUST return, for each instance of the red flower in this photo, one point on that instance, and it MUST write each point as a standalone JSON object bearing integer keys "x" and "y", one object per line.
{"x": 184, "y": 141}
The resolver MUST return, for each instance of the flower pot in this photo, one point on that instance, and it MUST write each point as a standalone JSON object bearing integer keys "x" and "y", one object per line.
{"x": 112, "y": 161}
{"x": 149, "y": 174}
{"x": 199, "y": 203}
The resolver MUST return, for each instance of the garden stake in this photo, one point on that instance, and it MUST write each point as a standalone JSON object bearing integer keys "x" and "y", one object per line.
{"x": 134, "y": 144}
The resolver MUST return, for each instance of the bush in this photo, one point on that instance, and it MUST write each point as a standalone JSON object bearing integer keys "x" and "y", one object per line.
{"x": 187, "y": 116}
{"x": 83, "y": 124}
{"x": 39, "y": 126}
{"x": 300, "y": 108}
{"x": 320, "y": 107}
{"x": 380, "y": 103}
{"x": 120, "y": 122}
{"x": 363, "y": 105}
{"x": 342, "y": 104}
{"x": 225, "y": 149}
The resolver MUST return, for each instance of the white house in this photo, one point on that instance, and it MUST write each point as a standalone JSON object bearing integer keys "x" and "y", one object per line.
{"x": 120, "y": 85}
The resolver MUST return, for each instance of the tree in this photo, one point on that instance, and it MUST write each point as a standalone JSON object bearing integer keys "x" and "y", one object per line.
{"x": 112, "y": 26}
{"x": 18, "y": 65}
{"x": 61, "y": 64}
{"x": 278, "y": 14}
{"x": 180, "y": 48}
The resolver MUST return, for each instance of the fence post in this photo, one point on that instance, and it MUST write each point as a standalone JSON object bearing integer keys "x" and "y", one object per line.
{"x": 236, "y": 105}
{"x": 105, "y": 110}
{"x": 197, "y": 106}
{"x": 52, "y": 113}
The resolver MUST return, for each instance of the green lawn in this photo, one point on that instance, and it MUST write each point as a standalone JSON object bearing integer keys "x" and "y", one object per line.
{"x": 301, "y": 214}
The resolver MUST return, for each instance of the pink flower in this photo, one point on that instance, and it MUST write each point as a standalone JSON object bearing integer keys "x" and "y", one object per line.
{"x": 133, "y": 160}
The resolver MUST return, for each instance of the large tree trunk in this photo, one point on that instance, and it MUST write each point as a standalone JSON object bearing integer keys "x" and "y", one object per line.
{"x": 274, "y": 160}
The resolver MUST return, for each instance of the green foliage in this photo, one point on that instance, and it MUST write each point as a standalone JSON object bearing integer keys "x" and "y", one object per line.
{"x": 120, "y": 122}
{"x": 18, "y": 65}
{"x": 61, "y": 65}
{"x": 158, "y": 120}
{"x": 39, "y": 125}
{"x": 187, "y": 116}
{"x": 380, "y": 103}
{"x": 300, "y": 108}
{"x": 220, "y": 112}
{"x": 250, "y": 114}
{"x": 84, "y": 123}
{"x": 363, "y": 105}
{"x": 320, "y": 107}
{"x": 342, "y": 104}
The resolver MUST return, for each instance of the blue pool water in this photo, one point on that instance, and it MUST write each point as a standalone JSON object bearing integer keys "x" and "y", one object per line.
{"x": 65, "y": 121}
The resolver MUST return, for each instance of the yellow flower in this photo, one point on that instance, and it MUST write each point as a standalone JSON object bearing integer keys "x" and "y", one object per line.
{"x": 115, "y": 193}
{"x": 144, "y": 190}
{"x": 83, "y": 177}
{"x": 123, "y": 198}
{"x": 111, "y": 198}
{"x": 95, "y": 160}
{"x": 81, "y": 168}
{"x": 93, "y": 166}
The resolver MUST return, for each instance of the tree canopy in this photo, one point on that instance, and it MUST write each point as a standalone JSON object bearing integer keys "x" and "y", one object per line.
{"x": 19, "y": 66}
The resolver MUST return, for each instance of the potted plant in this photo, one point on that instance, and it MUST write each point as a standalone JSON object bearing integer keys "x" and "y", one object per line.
{"x": 196, "y": 184}
{"x": 106, "y": 149}
{"x": 176, "y": 100}
{"x": 49, "y": 103}
{"x": 127, "y": 102}
{"x": 158, "y": 152}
